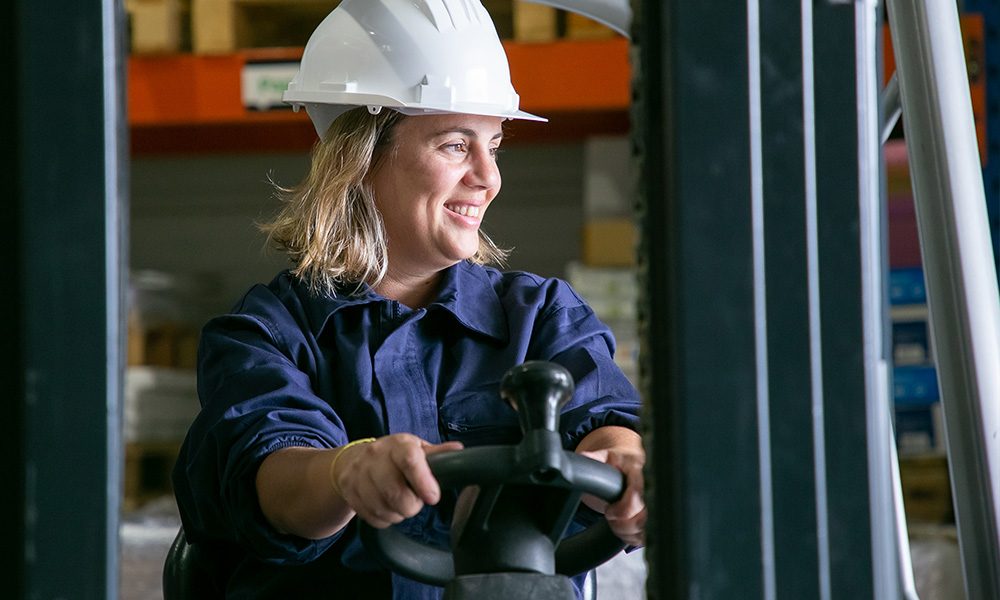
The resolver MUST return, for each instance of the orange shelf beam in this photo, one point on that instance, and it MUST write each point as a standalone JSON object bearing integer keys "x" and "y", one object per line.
{"x": 571, "y": 75}
{"x": 191, "y": 103}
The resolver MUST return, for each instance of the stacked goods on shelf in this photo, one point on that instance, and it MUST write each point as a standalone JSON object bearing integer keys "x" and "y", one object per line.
{"x": 919, "y": 424}
{"x": 914, "y": 381}
{"x": 147, "y": 472}
{"x": 579, "y": 27}
{"x": 609, "y": 233}
{"x": 605, "y": 275}
{"x": 609, "y": 242}
{"x": 221, "y": 26}
{"x": 158, "y": 26}
{"x": 926, "y": 489}
{"x": 904, "y": 242}
{"x": 160, "y": 394}
{"x": 160, "y": 404}
{"x": 534, "y": 22}
{"x": 923, "y": 463}
{"x": 612, "y": 292}
{"x": 227, "y": 26}
{"x": 524, "y": 21}
{"x": 915, "y": 390}
{"x": 165, "y": 314}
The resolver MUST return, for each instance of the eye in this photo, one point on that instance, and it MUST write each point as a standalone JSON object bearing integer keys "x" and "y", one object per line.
{"x": 495, "y": 152}
{"x": 459, "y": 147}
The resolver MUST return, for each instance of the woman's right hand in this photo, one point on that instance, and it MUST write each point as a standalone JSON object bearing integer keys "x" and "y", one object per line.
{"x": 388, "y": 480}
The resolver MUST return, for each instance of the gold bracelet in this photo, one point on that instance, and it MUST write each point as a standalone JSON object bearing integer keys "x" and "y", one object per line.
{"x": 333, "y": 463}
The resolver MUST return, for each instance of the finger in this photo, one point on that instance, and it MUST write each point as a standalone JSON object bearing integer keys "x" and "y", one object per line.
{"x": 430, "y": 449}
{"x": 367, "y": 502}
{"x": 397, "y": 500}
{"x": 411, "y": 461}
{"x": 631, "y": 531}
{"x": 385, "y": 497}
{"x": 630, "y": 505}
{"x": 632, "y": 500}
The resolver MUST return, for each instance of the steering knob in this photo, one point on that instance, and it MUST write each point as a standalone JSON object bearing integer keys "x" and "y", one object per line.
{"x": 537, "y": 390}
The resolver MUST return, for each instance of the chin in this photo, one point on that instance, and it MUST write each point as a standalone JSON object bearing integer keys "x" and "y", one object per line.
{"x": 466, "y": 251}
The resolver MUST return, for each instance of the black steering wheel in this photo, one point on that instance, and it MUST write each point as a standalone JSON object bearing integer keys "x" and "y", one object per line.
{"x": 516, "y": 501}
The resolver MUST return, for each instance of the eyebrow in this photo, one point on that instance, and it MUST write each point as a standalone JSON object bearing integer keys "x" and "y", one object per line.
{"x": 466, "y": 131}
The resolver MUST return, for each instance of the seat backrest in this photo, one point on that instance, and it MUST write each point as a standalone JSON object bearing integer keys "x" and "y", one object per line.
{"x": 188, "y": 573}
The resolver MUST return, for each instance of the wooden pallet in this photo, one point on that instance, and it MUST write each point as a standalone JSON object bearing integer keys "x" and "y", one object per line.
{"x": 147, "y": 471}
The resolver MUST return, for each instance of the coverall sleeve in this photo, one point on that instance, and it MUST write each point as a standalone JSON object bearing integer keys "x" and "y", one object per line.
{"x": 570, "y": 334}
{"x": 256, "y": 391}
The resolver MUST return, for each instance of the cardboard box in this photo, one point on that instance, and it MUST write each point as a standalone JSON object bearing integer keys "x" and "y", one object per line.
{"x": 906, "y": 286}
{"x": 579, "y": 27}
{"x": 156, "y": 26}
{"x": 911, "y": 345}
{"x": 915, "y": 385}
{"x": 609, "y": 242}
{"x": 926, "y": 488}
{"x": 502, "y": 12}
{"x": 535, "y": 22}
{"x": 224, "y": 26}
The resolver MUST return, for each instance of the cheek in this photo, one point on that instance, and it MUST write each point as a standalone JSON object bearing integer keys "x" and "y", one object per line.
{"x": 496, "y": 188}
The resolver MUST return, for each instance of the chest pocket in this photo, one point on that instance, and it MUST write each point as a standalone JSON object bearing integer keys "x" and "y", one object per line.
{"x": 479, "y": 417}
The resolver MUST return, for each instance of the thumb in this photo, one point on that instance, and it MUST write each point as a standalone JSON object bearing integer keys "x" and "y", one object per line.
{"x": 598, "y": 455}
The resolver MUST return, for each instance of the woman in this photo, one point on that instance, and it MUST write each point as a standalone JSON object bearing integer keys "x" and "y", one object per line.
{"x": 324, "y": 391}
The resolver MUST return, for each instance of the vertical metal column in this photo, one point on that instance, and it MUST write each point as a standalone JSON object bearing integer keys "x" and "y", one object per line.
{"x": 990, "y": 11}
{"x": 852, "y": 272}
{"x": 763, "y": 317}
{"x": 11, "y": 369}
{"x": 700, "y": 376}
{"x": 68, "y": 192}
{"x": 961, "y": 279}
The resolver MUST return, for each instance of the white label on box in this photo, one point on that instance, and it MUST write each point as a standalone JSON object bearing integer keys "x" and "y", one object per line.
{"x": 264, "y": 83}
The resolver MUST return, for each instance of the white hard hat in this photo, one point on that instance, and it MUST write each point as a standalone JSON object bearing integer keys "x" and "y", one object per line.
{"x": 414, "y": 56}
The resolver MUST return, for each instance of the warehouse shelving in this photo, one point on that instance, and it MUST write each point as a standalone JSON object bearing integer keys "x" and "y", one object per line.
{"x": 191, "y": 103}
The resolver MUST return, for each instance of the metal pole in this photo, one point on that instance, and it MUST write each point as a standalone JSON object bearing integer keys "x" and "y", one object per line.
{"x": 958, "y": 266}
{"x": 890, "y": 107}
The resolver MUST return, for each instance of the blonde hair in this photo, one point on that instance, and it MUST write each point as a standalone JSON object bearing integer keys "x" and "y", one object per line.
{"x": 329, "y": 224}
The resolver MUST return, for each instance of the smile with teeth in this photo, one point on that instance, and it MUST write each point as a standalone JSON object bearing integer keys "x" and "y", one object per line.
{"x": 465, "y": 210}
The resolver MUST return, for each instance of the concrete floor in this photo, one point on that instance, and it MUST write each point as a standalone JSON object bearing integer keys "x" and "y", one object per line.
{"x": 145, "y": 536}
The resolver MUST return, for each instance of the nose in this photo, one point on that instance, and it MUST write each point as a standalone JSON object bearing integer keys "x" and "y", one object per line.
{"x": 483, "y": 170}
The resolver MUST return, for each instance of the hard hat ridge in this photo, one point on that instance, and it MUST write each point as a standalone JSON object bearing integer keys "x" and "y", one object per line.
{"x": 414, "y": 56}
{"x": 457, "y": 14}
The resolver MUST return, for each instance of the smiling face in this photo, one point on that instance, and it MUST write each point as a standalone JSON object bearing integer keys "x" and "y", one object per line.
{"x": 433, "y": 188}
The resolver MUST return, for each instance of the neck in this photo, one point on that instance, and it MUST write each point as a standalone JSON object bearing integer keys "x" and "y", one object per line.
{"x": 414, "y": 291}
